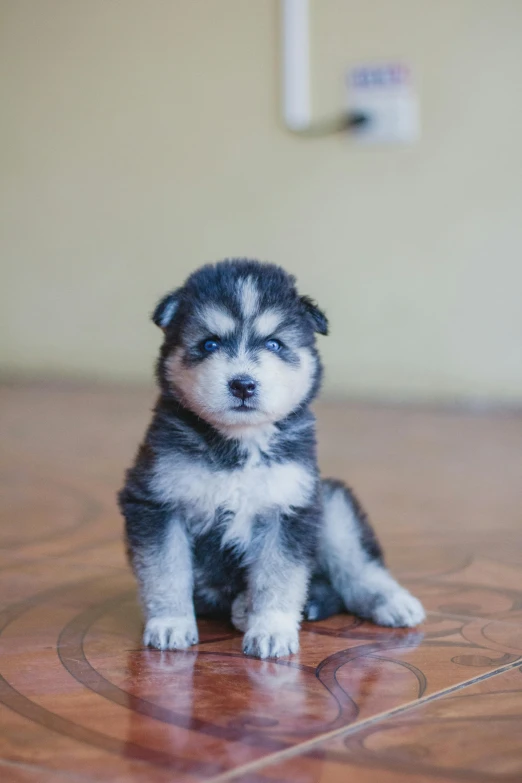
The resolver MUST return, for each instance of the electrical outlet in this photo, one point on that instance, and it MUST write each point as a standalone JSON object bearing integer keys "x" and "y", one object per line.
{"x": 385, "y": 95}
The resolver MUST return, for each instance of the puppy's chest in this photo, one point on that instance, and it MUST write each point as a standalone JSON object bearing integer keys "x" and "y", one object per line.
{"x": 232, "y": 498}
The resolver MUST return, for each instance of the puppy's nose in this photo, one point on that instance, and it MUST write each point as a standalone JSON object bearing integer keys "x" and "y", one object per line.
{"x": 242, "y": 387}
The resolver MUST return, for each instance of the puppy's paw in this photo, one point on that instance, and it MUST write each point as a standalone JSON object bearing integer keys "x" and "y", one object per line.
{"x": 318, "y": 608}
{"x": 267, "y": 639}
{"x": 267, "y": 645}
{"x": 239, "y": 615}
{"x": 170, "y": 633}
{"x": 399, "y": 610}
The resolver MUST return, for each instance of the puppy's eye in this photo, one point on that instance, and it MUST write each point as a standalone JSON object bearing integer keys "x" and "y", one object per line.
{"x": 209, "y": 346}
{"x": 273, "y": 345}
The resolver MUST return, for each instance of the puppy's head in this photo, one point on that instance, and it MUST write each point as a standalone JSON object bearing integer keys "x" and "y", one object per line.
{"x": 239, "y": 348}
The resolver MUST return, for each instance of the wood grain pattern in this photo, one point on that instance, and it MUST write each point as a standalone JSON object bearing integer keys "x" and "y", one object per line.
{"x": 80, "y": 699}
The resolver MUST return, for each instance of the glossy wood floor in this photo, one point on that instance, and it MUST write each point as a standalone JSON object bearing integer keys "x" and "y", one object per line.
{"x": 81, "y": 700}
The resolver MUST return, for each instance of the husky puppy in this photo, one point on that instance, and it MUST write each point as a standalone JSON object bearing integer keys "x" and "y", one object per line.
{"x": 225, "y": 511}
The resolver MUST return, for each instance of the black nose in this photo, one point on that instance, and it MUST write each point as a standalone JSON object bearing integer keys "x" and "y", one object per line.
{"x": 242, "y": 387}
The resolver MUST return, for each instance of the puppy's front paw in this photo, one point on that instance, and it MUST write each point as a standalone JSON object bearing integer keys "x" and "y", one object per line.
{"x": 265, "y": 639}
{"x": 170, "y": 633}
{"x": 399, "y": 610}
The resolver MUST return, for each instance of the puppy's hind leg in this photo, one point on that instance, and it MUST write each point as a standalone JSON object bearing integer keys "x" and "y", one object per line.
{"x": 239, "y": 613}
{"x": 351, "y": 556}
{"x": 323, "y": 600}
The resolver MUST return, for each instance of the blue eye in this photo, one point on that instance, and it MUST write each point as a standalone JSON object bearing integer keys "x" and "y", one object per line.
{"x": 210, "y": 346}
{"x": 273, "y": 345}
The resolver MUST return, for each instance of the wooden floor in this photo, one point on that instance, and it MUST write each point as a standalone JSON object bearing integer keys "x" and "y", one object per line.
{"x": 80, "y": 699}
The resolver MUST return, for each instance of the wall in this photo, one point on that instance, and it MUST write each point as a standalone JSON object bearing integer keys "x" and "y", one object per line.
{"x": 140, "y": 139}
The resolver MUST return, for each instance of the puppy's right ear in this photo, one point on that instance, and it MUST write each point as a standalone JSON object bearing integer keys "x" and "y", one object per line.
{"x": 166, "y": 309}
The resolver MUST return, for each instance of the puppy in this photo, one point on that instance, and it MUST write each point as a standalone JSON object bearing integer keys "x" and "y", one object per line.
{"x": 225, "y": 511}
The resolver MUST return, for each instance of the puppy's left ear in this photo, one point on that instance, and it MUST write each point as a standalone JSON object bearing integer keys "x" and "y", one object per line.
{"x": 318, "y": 317}
{"x": 165, "y": 310}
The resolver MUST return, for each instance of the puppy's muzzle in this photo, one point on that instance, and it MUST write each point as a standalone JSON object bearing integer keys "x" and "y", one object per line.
{"x": 242, "y": 387}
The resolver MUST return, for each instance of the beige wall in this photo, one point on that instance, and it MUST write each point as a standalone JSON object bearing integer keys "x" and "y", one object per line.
{"x": 141, "y": 138}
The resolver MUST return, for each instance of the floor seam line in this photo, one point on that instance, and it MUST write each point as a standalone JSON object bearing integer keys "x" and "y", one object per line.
{"x": 27, "y": 765}
{"x": 297, "y": 750}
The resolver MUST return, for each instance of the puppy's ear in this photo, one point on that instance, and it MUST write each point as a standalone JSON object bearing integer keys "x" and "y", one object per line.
{"x": 317, "y": 316}
{"x": 166, "y": 309}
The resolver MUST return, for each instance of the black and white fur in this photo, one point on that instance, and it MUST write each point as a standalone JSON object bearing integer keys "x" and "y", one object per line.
{"x": 224, "y": 507}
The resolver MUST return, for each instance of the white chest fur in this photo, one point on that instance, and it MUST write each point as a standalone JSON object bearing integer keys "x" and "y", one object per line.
{"x": 245, "y": 493}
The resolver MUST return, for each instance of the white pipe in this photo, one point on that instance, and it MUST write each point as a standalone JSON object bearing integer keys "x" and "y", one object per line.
{"x": 296, "y": 63}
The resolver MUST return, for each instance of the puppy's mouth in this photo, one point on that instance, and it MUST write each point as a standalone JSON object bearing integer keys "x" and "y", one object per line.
{"x": 243, "y": 407}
